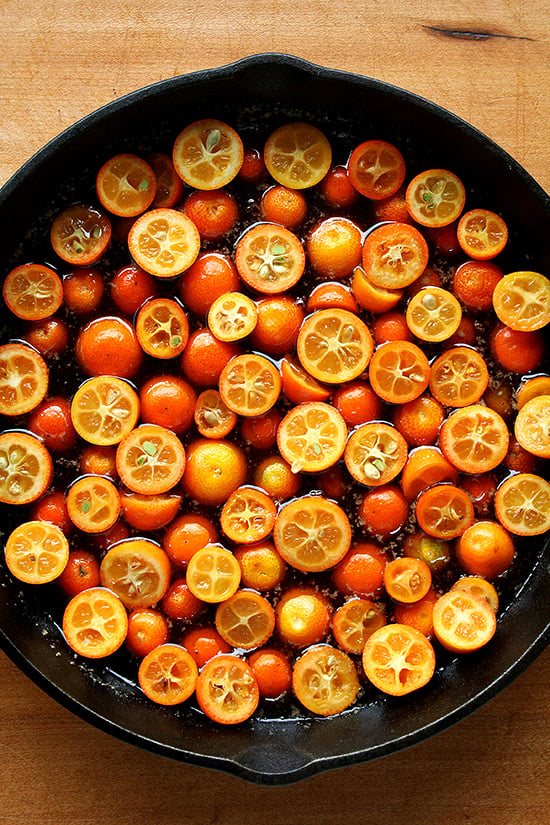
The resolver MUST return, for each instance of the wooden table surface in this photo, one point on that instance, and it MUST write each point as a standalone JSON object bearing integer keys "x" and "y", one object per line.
{"x": 488, "y": 62}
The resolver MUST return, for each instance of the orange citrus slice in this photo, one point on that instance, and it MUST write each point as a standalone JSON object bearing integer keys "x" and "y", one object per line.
{"x": 312, "y": 533}
{"x": 399, "y": 372}
{"x": 433, "y": 314}
{"x": 104, "y": 410}
{"x": 532, "y": 426}
{"x": 245, "y": 620}
{"x": 522, "y": 301}
{"x": 150, "y": 459}
{"x": 93, "y": 504}
{"x": 95, "y": 623}
{"x": 26, "y": 468}
{"x": 334, "y": 345}
{"x": 250, "y": 384}
{"x": 312, "y": 437}
{"x": 394, "y": 255}
{"x": 270, "y": 258}
{"x": 80, "y": 234}
{"x": 36, "y": 552}
{"x": 248, "y": 515}
{"x": 325, "y": 680}
{"x": 459, "y": 377}
{"x": 168, "y": 674}
{"x": 208, "y": 154}
{"x": 474, "y": 438}
{"x": 232, "y": 316}
{"x": 375, "y": 453}
{"x": 162, "y": 328}
{"x": 126, "y": 185}
{"x": 137, "y": 570}
{"x": 435, "y": 197}
{"x": 164, "y": 242}
{"x": 522, "y": 504}
{"x": 398, "y": 659}
{"x": 33, "y": 292}
{"x": 213, "y": 574}
{"x": 482, "y": 234}
{"x": 376, "y": 169}
{"x": 24, "y": 377}
{"x": 297, "y": 155}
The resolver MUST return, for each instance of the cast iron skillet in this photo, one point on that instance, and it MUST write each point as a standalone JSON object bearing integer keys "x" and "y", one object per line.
{"x": 255, "y": 95}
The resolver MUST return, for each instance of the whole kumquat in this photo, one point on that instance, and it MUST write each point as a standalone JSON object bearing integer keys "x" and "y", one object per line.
{"x": 100, "y": 461}
{"x": 214, "y": 213}
{"x": 262, "y": 567}
{"x": 52, "y": 507}
{"x": 361, "y": 571}
{"x": 253, "y": 167}
{"x": 279, "y": 321}
{"x": 302, "y": 616}
{"x": 516, "y": 351}
{"x": 49, "y": 337}
{"x": 169, "y": 401}
{"x": 187, "y": 534}
{"x": 203, "y": 643}
{"x": 334, "y": 247}
{"x": 209, "y": 277}
{"x": 474, "y": 283}
{"x": 357, "y": 403}
{"x": 80, "y": 572}
{"x": 274, "y": 475}
{"x": 337, "y": 188}
{"x": 147, "y": 629}
{"x": 205, "y": 356}
{"x": 331, "y": 294}
{"x": 384, "y": 510}
{"x": 419, "y": 420}
{"x": 83, "y": 290}
{"x": 51, "y": 421}
{"x": 214, "y": 469}
{"x": 180, "y": 604}
{"x": 260, "y": 431}
{"x": 273, "y": 672}
{"x": 109, "y": 346}
{"x": 279, "y": 204}
{"x": 485, "y": 549}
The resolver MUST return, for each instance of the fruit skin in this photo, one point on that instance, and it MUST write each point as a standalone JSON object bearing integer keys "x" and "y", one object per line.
{"x": 214, "y": 470}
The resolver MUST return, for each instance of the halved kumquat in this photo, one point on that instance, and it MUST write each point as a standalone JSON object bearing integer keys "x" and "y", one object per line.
{"x": 36, "y": 552}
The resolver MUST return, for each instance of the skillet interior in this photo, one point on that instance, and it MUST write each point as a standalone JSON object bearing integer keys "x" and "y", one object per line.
{"x": 255, "y": 95}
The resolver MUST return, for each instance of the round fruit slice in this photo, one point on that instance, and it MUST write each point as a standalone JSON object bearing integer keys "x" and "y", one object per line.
{"x": 212, "y": 416}
{"x": 80, "y": 234}
{"x": 312, "y": 533}
{"x": 376, "y": 169}
{"x": 208, "y": 154}
{"x": 531, "y": 387}
{"x": 462, "y": 621}
{"x": 474, "y": 438}
{"x": 435, "y": 197}
{"x": 245, "y": 620}
{"x": 250, "y": 384}
{"x": 169, "y": 183}
{"x": 213, "y": 574}
{"x": 232, "y": 316}
{"x": 93, "y": 504}
{"x": 522, "y": 504}
{"x": 95, "y": 623}
{"x": 532, "y": 426}
{"x": 164, "y": 242}
{"x": 312, "y": 437}
{"x": 104, "y": 409}
{"x": 25, "y": 468}
{"x": 227, "y": 690}
{"x": 398, "y": 659}
{"x": 36, "y": 552}
{"x": 522, "y": 301}
{"x": 459, "y": 377}
{"x": 162, "y": 328}
{"x": 433, "y": 314}
{"x": 334, "y": 345}
{"x": 444, "y": 511}
{"x": 394, "y": 255}
{"x": 24, "y": 377}
{"x": 137, "y": 570}
{"x": 297, "y": 155}
{"x": 372, "y": 297}
{"x": 126, "y": 185}
{"x": 33, "y": 292}
{"x": 482, "y": 234}
{"x": 375, "y": 453}
{"x": 325, "y": 680}
{"x": 150, "y": 460}
{"x": 270, "y": 258}
{"x": 354, "y": 622}
{"x": 248, "y": 515}
{"x": 399, "y": 372}
{"x": 168, "y": 674}
{"x": 425, "y": 466}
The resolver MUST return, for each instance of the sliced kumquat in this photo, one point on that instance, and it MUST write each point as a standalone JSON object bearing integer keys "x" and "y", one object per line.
{"x": 398, "y": 659}
{"x": 482, "y": 234}
{"x": 474, "y": 438}
{"x": 459, "y": 377}
{"x": 463, "y": 622}
{"x": 150, "y": 459}
{"x": 169, "y": 184}
{"x": 104, "y": 410}
{"x": 248, "y": 515}
{"x": 532, "y": 426}
{"x": 227, "y": 690}
{"x": 334, "y": 345}
{"x": 270, "y": 258}
{"x": 444, "y": 511}
{"x": 250, "y": 384}
{"x": 93, "y": 504}
{"x": 478, "y": 586}
{"x": 433, "y": 314}
{"x": 33, "y": 291}
{"x": 435, "y": 197}
{"x": 425, "y": 466}
{"x": 372, "y": 297}
{"x": 355, "y": 621}
{"x": 325, "y": 680}
{"x": 137, "y": 570}
{"x": 24, "y": 378}
{"x": 394, "y": 255}
{"x": 375, "y": 453}
{"x": 376, "y": 169}
{"x": 162, "y": 328}
{"x": 36, "y": 552}
{"x": 164, "y": 242}
{"x": 312, "y": 533}
{"x": 26, "y": 468}
{"x": 298, "y": 385}
{"x": 407, "y": 579}
{"x": 246, "y": 620}
{"x": 126, "y": 185}
{"x": 522, "y": 504}
{"x": 399, "y": 371}
{"x": 531, "y": 387}
{"x": 95, "y": 623}
{"x": 521, "y": 300}
{"x": 168, "y": 674}
{"x": 232, "y": 316}
{"x": 213, "y": 574}
{"x": 208, "y": 154}
{"x": 80, "y": 234}
{"x": 145, "y": 512}
{"x": 297, "y": 155}
{"x": 312, "y": 436}
{"x": 212, "y": 416}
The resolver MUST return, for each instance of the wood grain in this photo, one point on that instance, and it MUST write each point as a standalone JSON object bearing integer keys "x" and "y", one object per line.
{"x": 488, "y": 63}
